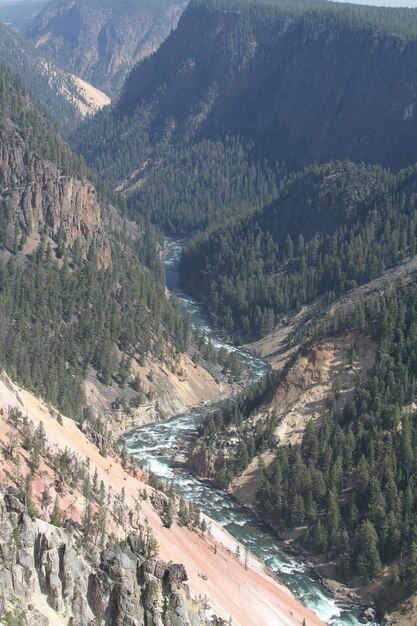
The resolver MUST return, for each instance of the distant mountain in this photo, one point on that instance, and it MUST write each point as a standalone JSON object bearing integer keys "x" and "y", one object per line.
{"x": 102, "y": 40}
{"x": 307, "y": 81}
{"x": 243, "y": 92}
{"x": 20, "y": 14}
{"x": 67, "y": 97}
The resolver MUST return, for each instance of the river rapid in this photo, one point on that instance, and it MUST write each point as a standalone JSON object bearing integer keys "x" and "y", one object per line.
{"x": 154, "y": 445}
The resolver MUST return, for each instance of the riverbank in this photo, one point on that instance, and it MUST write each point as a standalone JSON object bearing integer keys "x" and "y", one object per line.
{"x": 359, "y": 598}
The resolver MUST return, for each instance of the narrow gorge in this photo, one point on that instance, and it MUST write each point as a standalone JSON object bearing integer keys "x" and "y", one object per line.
{"x": 154, "y": 444}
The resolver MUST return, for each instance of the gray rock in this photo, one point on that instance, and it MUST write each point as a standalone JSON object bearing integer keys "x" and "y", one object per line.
{"x": 369, "y": 615}
{"x": 82, "y": 584}
{"x": 176, "y": 575}
{"x": 160, "y": 569}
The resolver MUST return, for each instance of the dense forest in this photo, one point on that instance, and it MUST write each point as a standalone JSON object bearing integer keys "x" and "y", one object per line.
{"x": 352, "y": 482}
{"x": 89, "y": 314}
{"x": 381, "y": 20}
{"x": 198, "y": 185}
{"x": 181, "y": 187}
{"x": 332, "y": 227}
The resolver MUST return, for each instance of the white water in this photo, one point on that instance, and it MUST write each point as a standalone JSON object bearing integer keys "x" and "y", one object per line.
{"x": 155, "y": 445}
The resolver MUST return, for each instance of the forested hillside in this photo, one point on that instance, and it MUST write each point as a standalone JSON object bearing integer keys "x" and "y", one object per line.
{"x": 101, "y": 40}
{"x": 70, "y": 299}
{"x": 352, "y": 481}
{"x": 332, "y": 227}
{"x": 229, "y": 68}
{"x": 180, "y": 187}
{"x": 218, "y": 104}
{"x": 348, "y": 487}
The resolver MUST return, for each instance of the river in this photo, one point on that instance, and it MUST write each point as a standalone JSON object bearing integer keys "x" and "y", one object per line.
{"x": 154, "y": 445}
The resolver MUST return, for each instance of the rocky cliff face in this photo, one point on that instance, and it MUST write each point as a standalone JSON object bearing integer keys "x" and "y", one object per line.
{"x": 101, "y": 41}
{"x": 39, "y": 199}
{"x": 47, "y": 578}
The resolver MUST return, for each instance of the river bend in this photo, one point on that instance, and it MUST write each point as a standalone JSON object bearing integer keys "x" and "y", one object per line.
{"x": 154, "y": 444}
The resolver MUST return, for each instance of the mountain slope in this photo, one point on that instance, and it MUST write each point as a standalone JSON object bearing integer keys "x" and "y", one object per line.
{"x": 306, "y": 81}
{"x": 331, "y": 228}
{"x": 67, "y": 98}
{"x": 101, "y": 295}
{"x": 101, "y": 41}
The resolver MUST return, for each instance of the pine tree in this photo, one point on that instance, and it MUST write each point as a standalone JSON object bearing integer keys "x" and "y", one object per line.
{"x": 56, "y": 518}
{"x": 368, "y": 561}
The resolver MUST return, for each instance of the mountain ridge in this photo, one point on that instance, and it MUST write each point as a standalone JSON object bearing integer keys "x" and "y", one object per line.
{"x": 67, "y": 98}
{"x": 99, "y": 42}
{"x": 223, "y": 71}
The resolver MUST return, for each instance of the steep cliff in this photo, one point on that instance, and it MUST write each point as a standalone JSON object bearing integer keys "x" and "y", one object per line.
{"x": 39, "y": 198}
{"x": 101, "y": 41}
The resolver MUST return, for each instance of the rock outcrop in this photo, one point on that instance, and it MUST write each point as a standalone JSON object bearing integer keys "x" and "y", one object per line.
{"x": 48, "y": 576}
{"x": 39, "y": 198}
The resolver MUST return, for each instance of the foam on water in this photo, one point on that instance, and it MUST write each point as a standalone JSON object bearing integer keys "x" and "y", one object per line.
{"x": 238, "y": 522}
{"x": 153, "y": 445}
